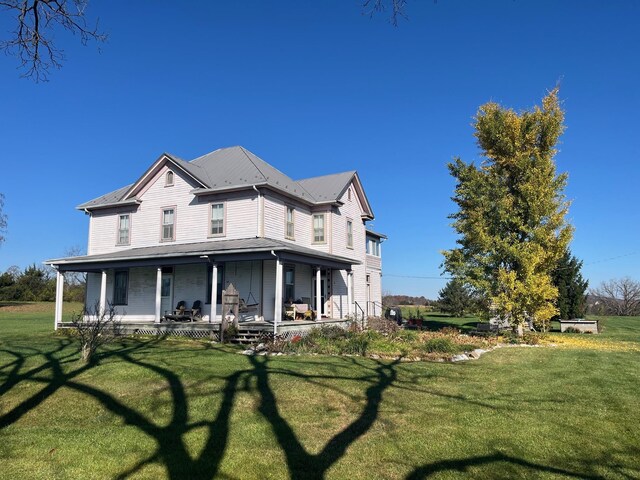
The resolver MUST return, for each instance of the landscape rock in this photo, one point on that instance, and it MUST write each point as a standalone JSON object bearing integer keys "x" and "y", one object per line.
{"x": 261, "y": 347}
{"x": 247, "y": 352}
{"x": 475, "y": 354}
{"x": 459, "y": 358}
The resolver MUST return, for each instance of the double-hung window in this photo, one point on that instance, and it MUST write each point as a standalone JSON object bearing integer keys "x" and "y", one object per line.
{"x": 120, "y": 287}
{"x": 318, "y": 228}
{"x": 124, "y": 229}
{"x": 217, "y": 219}
{"x": 290, "y": 232}
{"x": 289, "y": 283}
{"x": 168, "y": 224}
{"x": 350, "y": 233}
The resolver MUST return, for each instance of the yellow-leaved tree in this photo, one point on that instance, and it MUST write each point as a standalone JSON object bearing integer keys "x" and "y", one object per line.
{"x": 511, "y": 213}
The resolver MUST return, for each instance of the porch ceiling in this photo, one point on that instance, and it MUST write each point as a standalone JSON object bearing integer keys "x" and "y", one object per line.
{"x": 202, "y": 252}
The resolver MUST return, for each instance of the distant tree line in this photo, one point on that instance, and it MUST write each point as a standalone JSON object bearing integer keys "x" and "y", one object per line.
{"x": 390, "y": 300}
{"x": 38, "y": 284}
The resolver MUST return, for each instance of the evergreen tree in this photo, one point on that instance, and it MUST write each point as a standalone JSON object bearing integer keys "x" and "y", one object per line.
{"x": 455, "y": 298}
{"x": 572, "y": 287}
{"x": 511, "y": 217}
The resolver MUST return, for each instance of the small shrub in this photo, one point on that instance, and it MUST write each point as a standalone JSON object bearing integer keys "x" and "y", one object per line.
{"x": 450, "y": 331}
{"x": 382, "y": 325}
{"x": 439, "y": 345}
{"x": 572, "y": 330}
{"x": 356, "y": 345}
{"x": 230, "y": 332}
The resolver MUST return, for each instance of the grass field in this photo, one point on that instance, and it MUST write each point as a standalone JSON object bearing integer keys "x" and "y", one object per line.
{"x": 154, "y": 408}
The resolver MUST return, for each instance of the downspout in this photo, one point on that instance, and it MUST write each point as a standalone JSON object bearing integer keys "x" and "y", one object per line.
{"x": 87, "y": 212}
{"x": 275, "y": 320}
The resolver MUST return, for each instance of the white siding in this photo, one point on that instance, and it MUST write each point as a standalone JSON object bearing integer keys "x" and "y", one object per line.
{"x": 339, "y": 299}
{"x": 191, "y": 216}
{"x": 269, "y": 288}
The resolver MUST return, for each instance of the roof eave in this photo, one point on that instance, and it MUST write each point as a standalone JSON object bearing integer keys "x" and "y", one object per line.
{"x": 126, "y": 203}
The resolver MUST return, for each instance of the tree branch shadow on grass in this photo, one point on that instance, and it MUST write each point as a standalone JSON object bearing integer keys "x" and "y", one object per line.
{"x": 463, "y": 464}
{"x": 171, "y": 449}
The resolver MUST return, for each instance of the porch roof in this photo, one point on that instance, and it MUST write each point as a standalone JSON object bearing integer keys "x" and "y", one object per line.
{"x": 203, "y": 252}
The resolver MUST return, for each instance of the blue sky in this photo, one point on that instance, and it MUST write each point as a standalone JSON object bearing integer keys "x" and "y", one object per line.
{"x": 315, "y": 88}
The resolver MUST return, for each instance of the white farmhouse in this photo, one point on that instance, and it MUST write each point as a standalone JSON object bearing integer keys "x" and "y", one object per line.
{"x": 185, "y": 230}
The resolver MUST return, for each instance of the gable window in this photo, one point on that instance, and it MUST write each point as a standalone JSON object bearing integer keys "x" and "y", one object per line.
{"x": 124, "y": 229}
{"x": 219, "y": 284}
{"x": 217, "y": 219}
{"x": 168, "y": 179}
{"x": 349, "y": 233}
{"x": 349, "y": 193}
{"x": 289, "y": 283}
{"x": 290, "y": 232}
{"x": 168, "y": 224}
{"x": 318, "y": 228}
{"x": 120, "y": 287}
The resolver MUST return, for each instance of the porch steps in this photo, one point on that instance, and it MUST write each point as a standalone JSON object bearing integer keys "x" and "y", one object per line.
{"x": 247, "y": 336}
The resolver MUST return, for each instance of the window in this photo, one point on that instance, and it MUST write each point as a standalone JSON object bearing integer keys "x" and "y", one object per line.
{"x": 219, "y": 289}
{"x": 373, "y": 246}
{"x": 120, "y": 287}
{"x": 350, "y": 233}
{"x": 168, "y": 224}
{"x": 349, "y": 194}
{"x": 123, "y": 229}
{"x": 290, "y": 232}
{"x": 168, "y": 179}
{"x": 289, "y": 283}
{"x": 217, "y": 219}
{"x": 318, "y": 228}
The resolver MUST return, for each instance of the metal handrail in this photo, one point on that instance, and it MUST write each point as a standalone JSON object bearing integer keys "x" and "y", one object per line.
{"x": 357, "y": 305}
{"x": 375, "y": 304}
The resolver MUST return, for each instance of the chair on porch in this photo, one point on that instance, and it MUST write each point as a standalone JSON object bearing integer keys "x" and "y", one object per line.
{"x": 179, "y": 313}
{"x": 290, "y": 312}
{"x": 196, "y": 311}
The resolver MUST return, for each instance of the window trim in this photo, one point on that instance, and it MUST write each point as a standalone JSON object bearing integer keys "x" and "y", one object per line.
{"x": 118, "y": 229}
{"x": 224, "y": 219}
{"x": 349, "y": 233}
{"x": 169, "y": 178}
{"x": 286, "y": 222}
{"x": 375, "y": 251}
{"x": 324, "y": 228}
{"x": 162, "y": 224}
{"x": 126, "y": 287}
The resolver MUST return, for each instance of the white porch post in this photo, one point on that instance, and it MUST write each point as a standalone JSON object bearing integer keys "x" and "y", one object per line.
{"x": 158, "y": 294}
{"x": 214, "y": 293}
{"x": 277, "y": 311}
{"x": 318, "y": 293}
{"x": 350, "y": 293}
{"x": 59, "y": 298}
{"x": 103, "y": 293}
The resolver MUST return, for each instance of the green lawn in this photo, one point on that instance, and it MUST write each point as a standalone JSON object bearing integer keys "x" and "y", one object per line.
{"x": 182, "y": 409}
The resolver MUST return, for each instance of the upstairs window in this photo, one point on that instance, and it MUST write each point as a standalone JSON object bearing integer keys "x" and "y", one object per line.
{"x": 290, "y": 228}
{"x": 217, "y": 219}
{"x": 349, "y": 193}
{"x": 124, "y": 229}
{"x": 168, "y": 224}
{"x": 318, "y": 228}
{"x": 373, "y": 246}
{"x": 350, "y": 233}
{"x": 168, "y": 179}
{"x": 120, "y": 287}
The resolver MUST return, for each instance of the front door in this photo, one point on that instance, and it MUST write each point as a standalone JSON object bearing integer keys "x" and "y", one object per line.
{"x": 166, "y": 294}
{"x": 325, "y": 292}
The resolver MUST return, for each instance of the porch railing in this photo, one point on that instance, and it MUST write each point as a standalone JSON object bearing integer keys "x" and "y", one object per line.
{"x": 374, "y": 309}
{"x": 362, "y": 314}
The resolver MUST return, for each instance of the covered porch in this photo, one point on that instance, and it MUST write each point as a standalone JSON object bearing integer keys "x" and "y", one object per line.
{"x": 144, "y": 285}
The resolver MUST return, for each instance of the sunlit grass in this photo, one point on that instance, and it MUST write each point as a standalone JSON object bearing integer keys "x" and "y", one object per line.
{"x": 207, "y": 412}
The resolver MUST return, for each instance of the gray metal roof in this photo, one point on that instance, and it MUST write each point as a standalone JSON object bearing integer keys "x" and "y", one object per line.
{"x": 236, "y": 167}
{"x": 328, "y": 187}
{"x": 217, "y": 247}
{"x": 107, "y": 199}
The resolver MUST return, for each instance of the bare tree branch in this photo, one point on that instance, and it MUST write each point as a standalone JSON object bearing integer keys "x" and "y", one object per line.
{"x": 619, "y": 296}
{"x": 372, "y": 7}
{"x": 32, "y": 40}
